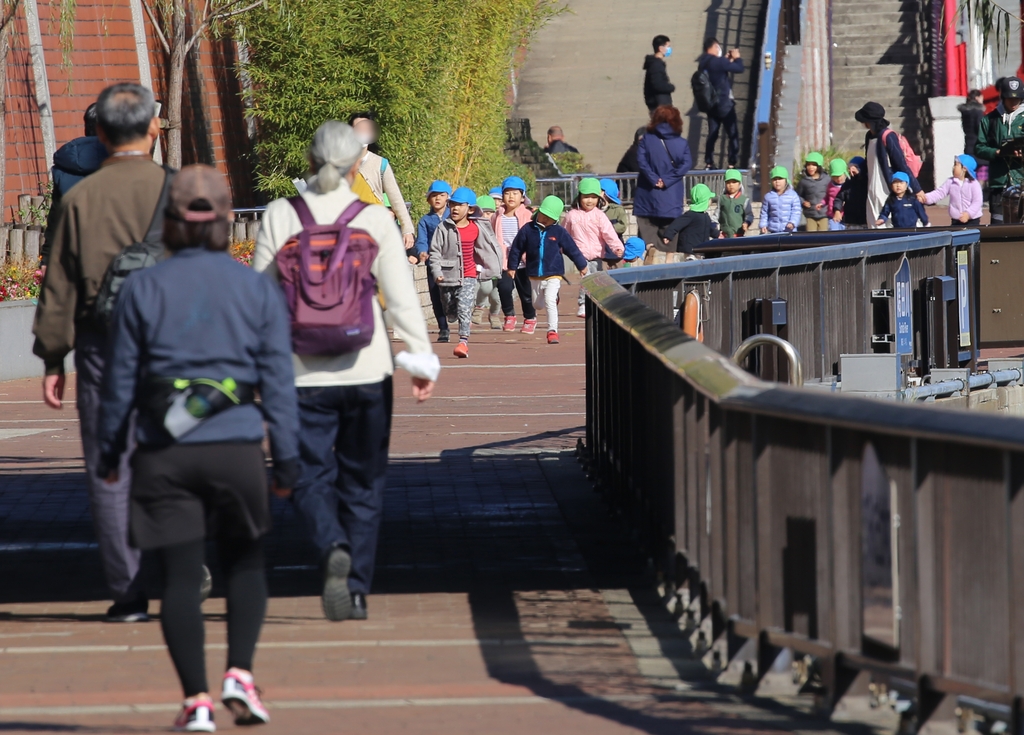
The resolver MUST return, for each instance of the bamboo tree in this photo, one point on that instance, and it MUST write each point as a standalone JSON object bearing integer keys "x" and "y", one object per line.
{"x": 180, "y": 25}
{"x": 436, "y": 73}
{"x": 993, "y": 21}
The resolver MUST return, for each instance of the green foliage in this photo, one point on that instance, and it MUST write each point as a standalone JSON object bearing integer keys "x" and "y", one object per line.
{"x": 436, "y": 73}
{"x": 571, "y": 163}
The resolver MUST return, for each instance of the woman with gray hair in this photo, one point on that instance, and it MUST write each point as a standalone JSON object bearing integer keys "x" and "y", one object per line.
{"x": 345, "y": 399}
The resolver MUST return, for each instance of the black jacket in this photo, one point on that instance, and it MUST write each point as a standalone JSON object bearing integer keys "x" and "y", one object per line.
{"x": 970, "y": 120}
{"x": 852, "y": 200}
{"x": 657, "y": 88}
{"x": 560, "y": 146}
{"x": 72, "y": 162}
{"x": 694, "y": 228}
{"x": 719, "y": 68}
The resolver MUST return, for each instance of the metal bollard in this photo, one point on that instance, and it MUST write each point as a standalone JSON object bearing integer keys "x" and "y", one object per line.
{"x": 796, "y": 373}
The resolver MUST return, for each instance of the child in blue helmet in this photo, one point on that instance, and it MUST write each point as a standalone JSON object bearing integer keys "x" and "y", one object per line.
{"x": 511, "y": 216}
{"x": 963, "y": 190}
{"x": 437, "y": 199}
{"x": 612, "y": 205}
{"x": 633, "y": 256}
{"x": 901, "y": 206}
{"x": 463, "y": 252}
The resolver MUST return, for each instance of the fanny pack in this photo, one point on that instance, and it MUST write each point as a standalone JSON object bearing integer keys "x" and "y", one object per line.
{"x": 180, "y": 404}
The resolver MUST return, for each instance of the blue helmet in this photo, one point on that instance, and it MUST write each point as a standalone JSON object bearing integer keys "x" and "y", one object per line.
{"x": 513, "y": 182}
{"x": 439, "y": 187}
{"x": 611, "y": 190}
{"x": 495, "y": 192}
{"x": 463, "y": 195}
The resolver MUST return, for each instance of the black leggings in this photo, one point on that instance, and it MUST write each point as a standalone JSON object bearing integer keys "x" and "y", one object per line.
{"x": 521, "y": 283}
{"x": 182, "y": 619}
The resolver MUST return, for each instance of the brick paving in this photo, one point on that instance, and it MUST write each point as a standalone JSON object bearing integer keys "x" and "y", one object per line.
{"x": 508, "y": 599}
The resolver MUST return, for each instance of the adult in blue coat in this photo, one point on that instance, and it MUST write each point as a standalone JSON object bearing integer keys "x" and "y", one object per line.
{"x": 719, "y": 68}
{"x": 663, "y": 157}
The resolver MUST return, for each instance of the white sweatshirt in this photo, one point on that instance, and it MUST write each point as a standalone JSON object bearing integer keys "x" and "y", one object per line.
{"x": 374, "y": 362}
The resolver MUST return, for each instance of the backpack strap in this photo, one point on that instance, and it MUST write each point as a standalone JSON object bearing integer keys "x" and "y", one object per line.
{"x": 383, "y": 165}
{"x": 302, "y": 209}
{"x": 350, "y": 213}
{"x": 155, "y": 233}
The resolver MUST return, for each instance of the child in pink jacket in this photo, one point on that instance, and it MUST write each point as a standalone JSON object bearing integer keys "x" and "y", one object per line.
{"x": 963, "y": 190}
{"x": 592, "y": 230}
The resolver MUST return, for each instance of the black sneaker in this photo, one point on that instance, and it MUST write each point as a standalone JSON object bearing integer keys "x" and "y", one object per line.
{"x": 443, "y": 335}
{"x": 358, "y": 606}
{"x": 336, "y": 600}
{"x": 136, "y": 611}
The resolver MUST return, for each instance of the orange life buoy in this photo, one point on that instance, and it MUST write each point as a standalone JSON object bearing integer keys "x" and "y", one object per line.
{"x": 692, "y": 317}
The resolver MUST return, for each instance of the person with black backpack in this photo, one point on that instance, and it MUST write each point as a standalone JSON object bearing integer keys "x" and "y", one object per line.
{"x": 106, "y": 213}
{"x": 343, "y": 374}
{"x": 712, "y": 92}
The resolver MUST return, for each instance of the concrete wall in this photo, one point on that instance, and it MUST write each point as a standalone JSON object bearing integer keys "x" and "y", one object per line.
{"x": 16, "y": 358}
{"x": 1008, "y": 400}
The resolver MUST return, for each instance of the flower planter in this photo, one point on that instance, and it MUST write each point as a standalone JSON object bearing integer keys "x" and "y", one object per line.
{"x": 16, "y": 358}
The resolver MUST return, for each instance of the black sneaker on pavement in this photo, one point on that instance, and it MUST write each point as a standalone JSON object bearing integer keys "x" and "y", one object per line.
{"x": 336, "y": 600}
{"x": 136, "y": 611}
{"x": 443, "y": 336}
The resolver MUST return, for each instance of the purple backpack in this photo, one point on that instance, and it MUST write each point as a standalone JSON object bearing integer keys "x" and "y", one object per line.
{"x": 325, "y": 273}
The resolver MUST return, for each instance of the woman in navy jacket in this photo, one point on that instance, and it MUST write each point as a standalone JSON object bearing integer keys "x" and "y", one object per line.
{"x": 663, "y": 157}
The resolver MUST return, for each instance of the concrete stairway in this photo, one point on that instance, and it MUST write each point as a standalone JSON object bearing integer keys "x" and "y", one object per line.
{"x": 879, "y": 54}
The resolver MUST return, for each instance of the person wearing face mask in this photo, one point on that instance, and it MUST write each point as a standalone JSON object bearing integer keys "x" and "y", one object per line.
{"x": 719, "y": 68}
{"x": 379, "y": 174}
{"x": 1003, "y": 126}
{"x": 657, "y": 88}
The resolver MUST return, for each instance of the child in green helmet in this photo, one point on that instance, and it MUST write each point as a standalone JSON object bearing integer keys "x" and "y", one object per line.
{"x": 780, "y": 208}
{"x": 811, "y": 189}
{"x": 695, "y": 225}
{"x": 837, "y": 171}
{"x": 735, "y": 215}
{"x": 539, "y": 247}
{"x": 592, "y": 231}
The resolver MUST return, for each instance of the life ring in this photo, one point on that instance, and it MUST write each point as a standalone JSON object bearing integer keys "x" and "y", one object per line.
{"x": 692, "y": 323}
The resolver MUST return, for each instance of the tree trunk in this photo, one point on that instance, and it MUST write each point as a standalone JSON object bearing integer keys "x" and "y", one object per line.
{"x": 175, "y": 81}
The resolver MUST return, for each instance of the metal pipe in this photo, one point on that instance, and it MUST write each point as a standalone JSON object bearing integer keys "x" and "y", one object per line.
{"x": 796, "y": 371}
{"x": 948, "y": 387}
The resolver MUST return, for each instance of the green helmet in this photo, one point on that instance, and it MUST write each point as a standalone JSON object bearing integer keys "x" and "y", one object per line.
{"x": 837, "y": 167}
{"x": 779, "y": 172}
{"x": 553, "y": 207}
{"x": 700, "y": 198}
{"x": 815, "y": 157}
{"x": 733, "y": 174}
{"x": 486, "y": 203}
{"x": 590, "y": 187}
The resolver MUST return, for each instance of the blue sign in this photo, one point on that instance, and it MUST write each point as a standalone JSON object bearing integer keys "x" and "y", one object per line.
{"x": 963, "y": 297}
{"x": 904, "y": 310}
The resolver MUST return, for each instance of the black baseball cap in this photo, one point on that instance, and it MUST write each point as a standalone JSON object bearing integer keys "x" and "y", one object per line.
{"x": 1011, "y": 88}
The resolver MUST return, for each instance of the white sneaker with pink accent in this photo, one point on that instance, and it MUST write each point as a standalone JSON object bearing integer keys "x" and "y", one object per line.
{"x": 241, "y": 696}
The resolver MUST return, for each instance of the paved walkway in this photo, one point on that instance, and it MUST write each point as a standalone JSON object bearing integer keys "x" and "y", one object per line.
{"x": 507, "y": 600}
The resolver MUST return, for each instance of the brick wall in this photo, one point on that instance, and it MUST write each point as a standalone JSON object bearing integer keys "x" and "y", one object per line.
{"x": 104, "y": 53}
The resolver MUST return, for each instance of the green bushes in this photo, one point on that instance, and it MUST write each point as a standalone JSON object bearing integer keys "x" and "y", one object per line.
{"x": 436, "y": 72}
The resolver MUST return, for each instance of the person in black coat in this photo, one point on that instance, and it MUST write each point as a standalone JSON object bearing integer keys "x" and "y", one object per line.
{"x": 628, "y": 163}
{"x": 657, "y": 88}
{"x": 971, "y": 113}
{"x": 719, "y": 68}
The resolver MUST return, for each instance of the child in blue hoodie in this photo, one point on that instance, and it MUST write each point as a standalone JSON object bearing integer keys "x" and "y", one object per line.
{"x": 543, "y": 241}
{"x": 903, "y": 208}
{"x": 437, "y": 198}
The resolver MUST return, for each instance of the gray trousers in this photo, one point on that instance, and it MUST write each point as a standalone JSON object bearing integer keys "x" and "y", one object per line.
{"x": 107, "y": 502}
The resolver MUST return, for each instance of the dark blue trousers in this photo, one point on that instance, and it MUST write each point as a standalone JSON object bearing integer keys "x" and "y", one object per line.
{"x": 343, "y": 445}
{"x": 435, "y": 303}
